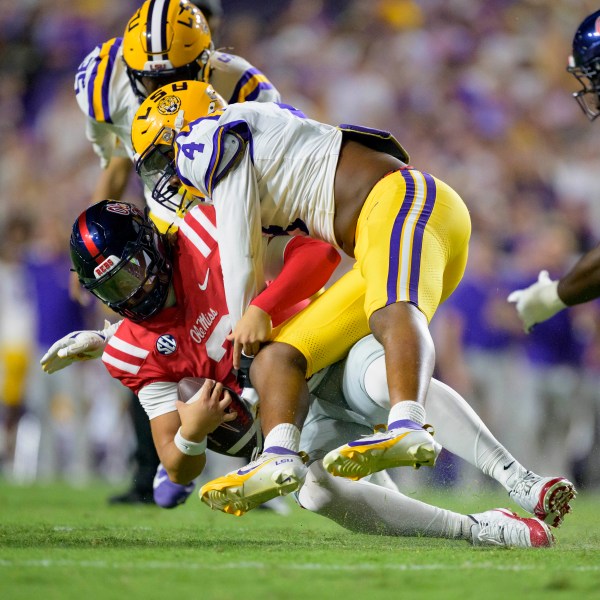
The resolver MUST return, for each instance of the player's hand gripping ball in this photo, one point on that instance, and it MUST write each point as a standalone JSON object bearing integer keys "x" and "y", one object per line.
{"x": 234, "y": 438}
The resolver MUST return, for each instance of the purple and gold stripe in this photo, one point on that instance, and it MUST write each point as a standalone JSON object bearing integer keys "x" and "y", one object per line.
{"x": 156, "y": 29}
{"x": 99, "y": 82}
{"x": 251, "y": 83}
{"x": 406, "y": 240}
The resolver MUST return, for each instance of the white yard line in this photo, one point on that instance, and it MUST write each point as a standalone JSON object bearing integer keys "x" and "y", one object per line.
{"x": 143, "y": 565}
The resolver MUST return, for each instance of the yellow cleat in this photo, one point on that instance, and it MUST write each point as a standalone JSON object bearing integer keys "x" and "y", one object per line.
{"x": 407, "y": 444}
{"x": 272, "y": 474}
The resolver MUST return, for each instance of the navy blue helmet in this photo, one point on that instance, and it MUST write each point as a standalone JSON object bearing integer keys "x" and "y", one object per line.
{"x": 584, "y": 64}
{"x": 121, "y": 259}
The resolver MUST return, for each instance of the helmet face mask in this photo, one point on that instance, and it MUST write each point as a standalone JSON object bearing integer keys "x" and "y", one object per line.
{"x": 588, "y": 97}
{"x": 166, "y": 41}
{"x": 120, "y": 258}
{"x": 156, "y": 167}
{"x": 584, "y": 65}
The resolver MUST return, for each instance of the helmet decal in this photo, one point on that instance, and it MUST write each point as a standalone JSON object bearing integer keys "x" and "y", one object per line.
{"x": 88, "y": 240}
{"x": 106, "y": 266}
{"x": 118, "y": 207}
{"x": 166, "y": 344}
{"x": 169, "y": 105}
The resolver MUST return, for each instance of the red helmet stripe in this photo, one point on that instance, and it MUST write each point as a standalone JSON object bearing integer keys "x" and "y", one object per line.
{"x": 86, "y": 236}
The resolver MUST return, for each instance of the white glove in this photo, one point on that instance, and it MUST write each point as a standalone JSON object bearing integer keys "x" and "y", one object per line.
{"x": 77, "y": 346}
{"x": 538, "y": 302}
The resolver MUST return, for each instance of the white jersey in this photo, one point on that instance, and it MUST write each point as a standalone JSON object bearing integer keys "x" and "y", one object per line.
{"x": 105, "y": 95}
{"x": 267, "y": 169}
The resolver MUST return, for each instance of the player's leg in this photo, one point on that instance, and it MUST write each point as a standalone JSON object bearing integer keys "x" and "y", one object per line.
{"x": 319, "y": 335}
{"x": 410, "y": 264}
{"x": 363, "y": 507}
{"x": 460, "y": 430}
{"x": 14, "y": 365}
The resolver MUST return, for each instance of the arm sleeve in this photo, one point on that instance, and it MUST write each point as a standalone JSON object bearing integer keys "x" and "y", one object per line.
{"x": 307, "y": 265}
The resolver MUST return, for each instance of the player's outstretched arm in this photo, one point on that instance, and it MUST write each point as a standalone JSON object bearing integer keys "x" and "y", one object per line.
{"x": 77, "y": 346}
{"x": 582, "y": 282}
{"x": 546, "y": 297}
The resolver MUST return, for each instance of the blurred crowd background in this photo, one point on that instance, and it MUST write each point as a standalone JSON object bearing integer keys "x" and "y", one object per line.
{"x": 478, "y": 94}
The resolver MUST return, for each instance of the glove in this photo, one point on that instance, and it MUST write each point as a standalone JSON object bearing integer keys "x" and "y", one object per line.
{"x": 538, "y": 302}
{"x": 77, "y": 346}
{"x": 168, "y": 494}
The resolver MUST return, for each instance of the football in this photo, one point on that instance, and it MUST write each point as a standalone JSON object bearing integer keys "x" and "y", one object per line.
{"x": 234, "y": 438}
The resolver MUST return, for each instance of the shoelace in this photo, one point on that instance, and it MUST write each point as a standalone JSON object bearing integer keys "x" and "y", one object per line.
{"x": 500, "y": 534}
{"x": 524, "y": 485}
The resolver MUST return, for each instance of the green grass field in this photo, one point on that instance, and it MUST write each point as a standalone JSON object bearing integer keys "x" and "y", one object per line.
{"x": 57, "y": 543}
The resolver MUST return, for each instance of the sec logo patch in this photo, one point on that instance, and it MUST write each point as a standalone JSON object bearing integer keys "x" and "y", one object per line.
{"x": 166, "y": 344}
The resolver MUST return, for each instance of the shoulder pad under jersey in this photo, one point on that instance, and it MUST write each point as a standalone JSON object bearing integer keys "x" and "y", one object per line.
{"x": 217, "y": 152}
{"x": 92, "y": 81}
{"x": 376, "y": 139}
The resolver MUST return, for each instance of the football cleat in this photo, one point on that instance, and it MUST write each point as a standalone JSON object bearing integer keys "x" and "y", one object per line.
{"x": 168, "y": 494}
{"x": 547, "y": 498}
{"x": 502, "y": 527}
{"x": 276, "y": 472}
{"x": 404, "y": 443}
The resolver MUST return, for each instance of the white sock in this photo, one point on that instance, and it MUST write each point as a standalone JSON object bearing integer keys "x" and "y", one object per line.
{"x": 284, "y": 435}
{"x": 407, "y": 409}
{"x": 460, "y": 430}
{"x": 367, "y": 508}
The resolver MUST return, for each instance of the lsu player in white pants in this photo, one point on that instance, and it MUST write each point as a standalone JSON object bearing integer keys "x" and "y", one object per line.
{"x": 335, "y": 416}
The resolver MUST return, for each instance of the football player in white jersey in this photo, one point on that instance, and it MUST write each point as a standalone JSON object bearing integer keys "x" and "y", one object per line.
{"x": 266, "y": 167}
{"x": 171, "y": 331}
{"x": 164, "y": 41}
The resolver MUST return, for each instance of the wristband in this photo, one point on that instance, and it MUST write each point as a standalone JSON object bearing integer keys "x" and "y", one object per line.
{"x": 187, "y": 447}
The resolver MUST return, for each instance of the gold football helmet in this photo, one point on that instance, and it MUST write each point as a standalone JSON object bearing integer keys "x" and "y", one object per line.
{"x": 166, "y": 41}
{"x": 156, "y": 123}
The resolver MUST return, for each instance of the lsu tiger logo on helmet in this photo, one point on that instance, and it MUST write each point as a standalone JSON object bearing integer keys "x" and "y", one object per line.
{"x": 169, "y": 105}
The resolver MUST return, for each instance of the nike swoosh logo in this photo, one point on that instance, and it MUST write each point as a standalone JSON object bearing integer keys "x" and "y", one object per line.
{"x": 509, "y": 465}
{"x": 245, "y": 471}
{"x": 204, "y": 284}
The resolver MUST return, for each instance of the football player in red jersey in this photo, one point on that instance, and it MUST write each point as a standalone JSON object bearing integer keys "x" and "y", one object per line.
{"x": 171, "y": 291}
